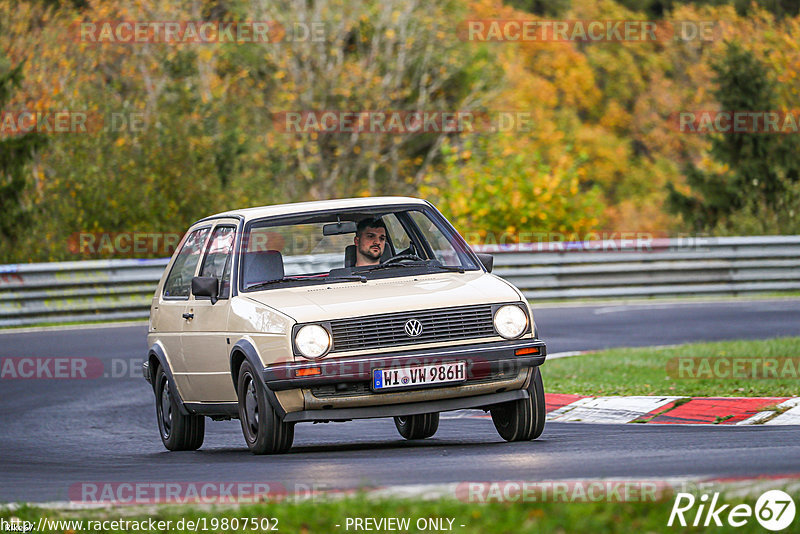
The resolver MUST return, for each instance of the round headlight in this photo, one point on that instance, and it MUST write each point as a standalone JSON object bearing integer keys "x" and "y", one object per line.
{"x": 510, "y": 321}
{"x": 313, "y": 341}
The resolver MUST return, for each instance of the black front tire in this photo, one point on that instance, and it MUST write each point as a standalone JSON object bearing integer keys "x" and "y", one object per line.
{"x": 522, "y": 420}
{"x": 178, "y": 432}
{"x": 263, "y": 429}
{"x": 419, "y": 426}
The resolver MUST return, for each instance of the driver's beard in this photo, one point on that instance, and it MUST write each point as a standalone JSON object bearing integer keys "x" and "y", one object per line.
{"x": 369, "y": 254}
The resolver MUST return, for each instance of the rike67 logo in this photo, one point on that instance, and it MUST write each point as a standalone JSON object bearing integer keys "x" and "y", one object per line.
{"x": 774, "y": 510}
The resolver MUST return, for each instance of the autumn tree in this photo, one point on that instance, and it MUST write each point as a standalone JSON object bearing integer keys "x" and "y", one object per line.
{"x": 390, "y": 56}
{"x": 16, "y": 154}
{"x": 500, "y": 189}
{"x": 598, "y": 156}
{"x": 762, "y": 169}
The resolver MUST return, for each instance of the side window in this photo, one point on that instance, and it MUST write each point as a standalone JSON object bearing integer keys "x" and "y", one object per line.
{"x": 179, "y": 281}
{"x": 400, "y": 239}
{"x": 217, "y": 262}
{"x": 442, "y": 249}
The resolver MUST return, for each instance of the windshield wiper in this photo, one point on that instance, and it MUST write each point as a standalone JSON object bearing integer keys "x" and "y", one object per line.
{"x": 451, "y": 268}
{"x": 391, "y": 265}
{"x": 353, "y": 278}
{"x": 270, "y": 282}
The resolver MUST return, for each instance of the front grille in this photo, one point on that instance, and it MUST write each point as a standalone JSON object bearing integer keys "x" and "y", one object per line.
{"x": 388, "y": 330}
{"x": 348, "y": 389}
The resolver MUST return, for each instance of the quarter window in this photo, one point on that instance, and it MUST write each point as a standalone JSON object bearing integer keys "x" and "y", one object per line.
{"x": 442, "y": 249}
{"x": 217, "y": 262}
{"x": 400, "y": 239}
{"x": 179, "y": 281}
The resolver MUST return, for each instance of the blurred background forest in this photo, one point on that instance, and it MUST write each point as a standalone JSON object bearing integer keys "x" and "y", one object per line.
{"x": 602, "y": 154}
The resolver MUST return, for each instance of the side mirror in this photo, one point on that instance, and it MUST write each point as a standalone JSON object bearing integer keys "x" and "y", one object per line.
{"x": 487, "y": 260}
{"x": 206, "y": 286}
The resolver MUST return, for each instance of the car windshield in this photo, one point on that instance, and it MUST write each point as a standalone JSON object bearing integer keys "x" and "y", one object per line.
{"x": 350, "y": 246}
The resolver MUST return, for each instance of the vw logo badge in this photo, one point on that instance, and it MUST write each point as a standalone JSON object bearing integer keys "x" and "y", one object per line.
{"x": 413, "y": 328}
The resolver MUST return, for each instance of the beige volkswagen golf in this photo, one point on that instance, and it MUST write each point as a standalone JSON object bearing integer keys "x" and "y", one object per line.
{"x": 332, "y": 311}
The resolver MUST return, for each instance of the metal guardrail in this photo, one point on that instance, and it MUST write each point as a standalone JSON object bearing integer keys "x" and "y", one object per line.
{"x": 42, "y": 293}
{"x": 100, "y": 290}
{"x": 654, "y": 268}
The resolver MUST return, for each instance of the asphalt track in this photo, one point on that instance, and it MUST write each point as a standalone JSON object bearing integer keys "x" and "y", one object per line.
{"x": 56, "y": 434}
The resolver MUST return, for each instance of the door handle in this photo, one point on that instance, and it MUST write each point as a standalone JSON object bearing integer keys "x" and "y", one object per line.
{"x": 188, "y": 316}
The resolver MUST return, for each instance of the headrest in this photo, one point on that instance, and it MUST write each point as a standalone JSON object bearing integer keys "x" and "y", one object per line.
{"x": 262, "y": 266}
{"x": 350, "y": 256}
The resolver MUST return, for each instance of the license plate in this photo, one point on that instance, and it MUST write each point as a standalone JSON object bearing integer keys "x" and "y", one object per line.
{"x": 418, "y": 375}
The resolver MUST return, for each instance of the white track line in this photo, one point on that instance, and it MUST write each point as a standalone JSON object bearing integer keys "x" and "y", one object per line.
{"x": 609, "y": 409}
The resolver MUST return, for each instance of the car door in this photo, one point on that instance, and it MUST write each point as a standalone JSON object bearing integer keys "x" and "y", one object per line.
{"x": 167, "y": 318}
{"x": 206, "y": 342}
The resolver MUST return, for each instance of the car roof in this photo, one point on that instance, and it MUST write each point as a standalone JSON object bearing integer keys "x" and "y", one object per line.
{"x": 317, "y": 205}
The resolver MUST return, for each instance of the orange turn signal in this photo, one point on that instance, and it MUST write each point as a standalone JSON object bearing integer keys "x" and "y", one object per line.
{"x": 529, "y": 350}
{"x": 309, "y": 371}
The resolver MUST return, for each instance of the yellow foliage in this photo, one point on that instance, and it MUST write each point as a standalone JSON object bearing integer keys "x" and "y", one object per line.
{"x": 598, "y": 154}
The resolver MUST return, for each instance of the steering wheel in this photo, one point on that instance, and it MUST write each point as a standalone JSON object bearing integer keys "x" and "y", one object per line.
{"x": 402, "y": 257}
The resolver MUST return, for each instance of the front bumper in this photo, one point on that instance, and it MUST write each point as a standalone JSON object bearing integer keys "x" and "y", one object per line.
{"x": 482, "y": 360}
{"x": 342, "y": 391}
{"x": 346, "y": 383}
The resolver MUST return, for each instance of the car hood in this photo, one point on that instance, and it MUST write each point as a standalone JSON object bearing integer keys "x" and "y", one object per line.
{"x": 353, "y": 299}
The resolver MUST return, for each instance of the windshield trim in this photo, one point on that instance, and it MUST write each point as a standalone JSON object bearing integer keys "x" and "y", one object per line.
{"x": 455, "y": 239}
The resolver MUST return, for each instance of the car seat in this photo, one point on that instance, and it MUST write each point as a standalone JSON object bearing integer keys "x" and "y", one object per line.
{"x": 262, "y": 266}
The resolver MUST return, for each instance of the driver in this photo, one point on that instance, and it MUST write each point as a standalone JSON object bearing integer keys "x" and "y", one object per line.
{"x": 370, "y": 241}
